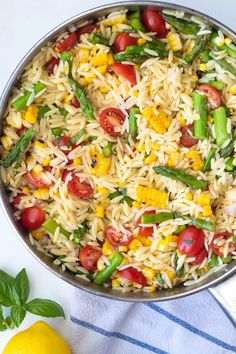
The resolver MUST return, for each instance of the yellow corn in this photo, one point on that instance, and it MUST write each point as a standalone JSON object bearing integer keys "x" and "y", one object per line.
{"x": 102, "y": 190}
{"x": 141, "y": 41}
{"x": 140, "y": 148}
{"x": 100, "y": 264}
{"x": 189, "y": 196}
{"x": 100, "y": 165}
{"x": 67, "y": 99}
{"x": 164, "y": 245}
{"x": 110, "y": 60}
{"x": 6, "y": 142}
{"x": 29, "y": 159}
{"x": 145, "y": 240}
{"x": 170, "y": 274}
{"x": 46, "y": 162}
{"x": 115, "y": 283}
{"x": 136, "y": 66}
{"x": 38, "y": 234}
{"x": 136, "y": 205}
{"x": 160, "y": 122}
{"x": 202, "y": 67}
{"x": 149, "y": 273}
{"x": 102, "y": 69}
{"x": 25, "y": 190}
{"x": 173, "y": 159}
{"x": 114, "y": 20}
{"x": 39, "y": 144}
{"x": 122, "y": 184}
{"x": 195, "y": 161}
{"x": 100, "y": 212}
{"x": 190, "y": 46}
{"x": 232, "y": 89}
{"x": 37, "y": 169}
{"x": 83, "y": 55}
{"x": 100, "y": 59}
{"x": 151, "y": 158}
{"x": 228, "y": 40}
{"x": 14, "y": 120}
{"x": 103, "y": 89}
{"x": 203, "y": 270}
{"x": 41, "y": 193}
{"x": 150, "y": 288}
{"x": 204, "y": 200}
{"x": 31, "y": 114}
{"x": 77, "y": 161}
{"x": 151, "y": 196}
{"x": 182, "y": 121}
{"x": 135, "y": 93}
{"x": 155, "y": 146}
{"x": 123, "y": 249}
{"x": 194, "y": 78}
{"x": 174, "y": 41}
{"x": 107, "y": 248}
{"x": 135, "y": 244}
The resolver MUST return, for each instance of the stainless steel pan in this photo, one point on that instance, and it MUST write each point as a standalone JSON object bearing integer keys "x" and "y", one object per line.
{"x": 222, "y": 283}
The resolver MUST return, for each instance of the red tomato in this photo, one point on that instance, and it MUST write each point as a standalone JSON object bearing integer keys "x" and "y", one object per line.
{"x": 186, "y": 139}
{"x": 144, "y": 230}
{"x": 68, "y": 43}
{"x": 133, "y": 275}
{"x": 214, "y": 247}
{"x": 122, "y": 41}
{"x": 41, "y": 181}
{"x": 154, "y": 22}
{"x": 126, "y": 71}
{"x": 21, "y": 131}
{"x": 213, "y": 96}
{"x": 50, "y": 65}
{"x": 82, "y": 190}
{"x": 65, "y": 173}
{"x": 62, "y": 142}
{"x": 85, "y": 29}
{"x": 75, "y": 102}
{"x": 32, "y": 217}
{"x": 200, "y": 256}
{"x": 16, "y": 201}
{"x": 111, "y": 120}
{"x": 191, "y": 241}
{"x": 117, "y": 238}
{"x": 89, "y": 256}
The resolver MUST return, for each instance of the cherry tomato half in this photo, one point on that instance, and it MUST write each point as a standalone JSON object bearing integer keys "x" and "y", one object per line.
{"x": 213, "y": 96}
{"x": 32, "y": 217}
{"x": 82, "y": 190}
{"x": 133, "y": 275}
{"x": 215, "y": 248}
{"x": 186, "y": 138}
{"x": 68, "y": 43}
{"x": 62, "y": 142}
{"x": 89, "y": 256}
{"x": 111, "y": 120}
{"x": 145, "y": 230}
{"x": 41, "y": 181}
{"x": 191, "y": 241}
{"x": 122, "y": 41}
{"x": 200, "y": 256}
{"x": 50, "y": 65}
{"x": 126, "y": 71}
{"x": 75, "y": 102}
{"x": 85, "y": 29}
{"x": 154, "y": 22}
{"x": 21, "y": 131}
{"x": 16, "y": 201}
{"x": 117, "y": 238}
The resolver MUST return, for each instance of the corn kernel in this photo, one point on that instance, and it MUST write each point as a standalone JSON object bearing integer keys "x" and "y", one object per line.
{"x": 77, "y": 161}
{"x": 135, "y": 244}
{"x": 170, "y": 274}
{"x": 25, "y": 190}
{"x": 151, "y": 196}
{"x": 140, "y": 148}
{"x": 150, "y": 288}
{"x": 37, "y": 169}
{"x": 228, "y": 40}
{"x": 151, "y": 158}
{"x": 29, "y": 159}
{"x": 100, "y": 59}
{"x": 173, "y": 159}
{"x": 174, "y": 41}
{"x": 6, "y": 142}
{"x": 141, "y": 40}
{"x": 202, "y": 67}
{"x": 107, "y": 248}
{"x": 100, "y": 212}
{"x": 136, "y": 205}
{"x": 149, "y": 273}
{"x": 38, "y": 234}
{"x": 110, "y": 60}
{"x": 103, "y": 89}
{"x": 195, "y": 161}
{"x": 39, "y": 144}
{"x": 31, "y": 114}
{"x": 135, "y": 93}
{"x": 145, "y": 240}
{"x": 114, "y": 20}
{"x": 115, "y": 283}
{"x": 41, "y": 193}
{"x": 100, "y": 265}
{"x": 232, "y": 89}
{"x": 101, "y": 166}
{"x": 83, "y": 55}
{"x": 194, "y": 78}
{"x": 123, "y": 249}
{"x": 102, "y": 69}
{"x": 204, "y": 198}
{"x": 122, "y": 184}
{"x": 182, "y": 121}
{"x": 67, "y": 99}
{"x": 189, "y": 196}
{"x": 160, "y": 123}
{"x": 46, "y": 162}
{"x": 136, "y": 66}
{"x": 155, "y": 146}
{"x": 190, "y": 46}
{"x": 102, "y": 190}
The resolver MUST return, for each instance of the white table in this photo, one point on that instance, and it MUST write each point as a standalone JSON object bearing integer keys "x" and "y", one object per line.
{"x": 22, "y": 23}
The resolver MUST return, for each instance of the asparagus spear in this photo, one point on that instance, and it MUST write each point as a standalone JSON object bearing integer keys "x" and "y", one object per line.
{"x": 76, "y": 137}
{"x": 133, "y": 127}
{"x": 207, "y": 164}
{"x": 200, "y": 107}
{"x": 107, "y": 150}
{"x": 199, "y": 46}
{"x": 104, "y": 275}
{"x": 224, "y": 64}
{"x": 231, "y": 50}
{"x": 42, "y": 111}
{"x": 181, "y": 25}
{"x": 21, "y": 102}
{"x": 181, "y": 176}
{"x": 219, "y": 85}
{"x": 156, "y": 218}
{"x": 135, "y": 22}
{"x": 227, "y": 151}
{"x": 220, "y": 122}
{"x": 229, "y": 164}
{"x": 56, "y": 132}
{"x": 96, "y": 38}
{"x": 204, "y": 56}
{"x": 133, "y": 58}
{"x": 51, "y": 225}
{"x": 81, "y": 96}
{"x": 157, "y": 46}
{"x": 17, "y": 152}
{"x": 203, "y": 224}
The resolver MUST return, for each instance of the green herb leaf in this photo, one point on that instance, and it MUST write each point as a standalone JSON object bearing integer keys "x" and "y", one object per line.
{"x": 42, "y": 111}
{"x": 79, "y": 233}
{"x": 45, "y": 308}
{"x": 21, "y": 284}
{"x": 6, "y": 284}
{"x": 18, "y": 314}
{"x": 3, "y": 326}
{"x": 213, "y": 261}
{"x": 159, "y": 279}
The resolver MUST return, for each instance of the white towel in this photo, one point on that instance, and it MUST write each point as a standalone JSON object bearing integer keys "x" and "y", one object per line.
{"x": 191, "y": 325}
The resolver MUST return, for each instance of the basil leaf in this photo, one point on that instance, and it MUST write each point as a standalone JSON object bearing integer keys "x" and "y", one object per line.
{"x": 3, "y": 326}
{"x": 21, "y": 284}
{"x": 6, "y": 285}
{"x": 45, "y": 308}
{"x": 17, "y": 314}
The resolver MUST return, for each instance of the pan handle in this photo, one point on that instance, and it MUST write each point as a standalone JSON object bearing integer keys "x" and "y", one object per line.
{"x": 225, "y": 294}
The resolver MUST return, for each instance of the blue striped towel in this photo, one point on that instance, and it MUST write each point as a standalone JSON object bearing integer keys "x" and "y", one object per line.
{"x": 191, "y": 325}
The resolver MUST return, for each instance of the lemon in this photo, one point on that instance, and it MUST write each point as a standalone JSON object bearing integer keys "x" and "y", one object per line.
{"x": 40, "y": 338}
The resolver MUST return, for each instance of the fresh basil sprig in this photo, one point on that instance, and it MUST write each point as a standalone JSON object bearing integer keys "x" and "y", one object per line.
{"x": 14, "y": 294}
